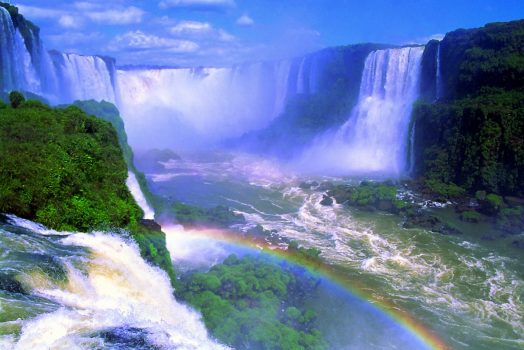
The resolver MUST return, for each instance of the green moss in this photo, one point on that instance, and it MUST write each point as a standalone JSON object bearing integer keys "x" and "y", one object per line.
{"x": 445, "y": 190}
{"x": 494, "y": 202}
{"x": 470, "y": 216}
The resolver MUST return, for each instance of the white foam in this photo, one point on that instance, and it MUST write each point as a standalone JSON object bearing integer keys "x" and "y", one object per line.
{"x": 113, "y": 287}
{"x": 138, "y": 195}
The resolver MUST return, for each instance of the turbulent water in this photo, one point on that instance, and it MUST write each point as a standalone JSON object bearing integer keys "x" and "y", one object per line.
{"x": 468, "y": 290}
{"x": 375, "y": 137}
{"x": 87, "y": 291}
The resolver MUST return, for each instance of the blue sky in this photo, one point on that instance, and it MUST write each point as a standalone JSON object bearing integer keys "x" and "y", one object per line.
{"x": 222, "y": 32}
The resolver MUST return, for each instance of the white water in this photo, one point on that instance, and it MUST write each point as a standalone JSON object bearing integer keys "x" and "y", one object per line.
{"x": 187, "y": 108}
{"x": 438, "y": 78}
{"x": 375, "y": 136}
{"x": 83, "y": 78}
{"x": 138, "y": 195}
{"x": 111, "y": 287}
{"x": 17, "y": 71}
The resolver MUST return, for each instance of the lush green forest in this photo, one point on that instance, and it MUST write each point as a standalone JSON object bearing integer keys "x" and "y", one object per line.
{"x": 254, "y": 304}
{"x": 473, "y": 136}
{"x": 62, "y": 168}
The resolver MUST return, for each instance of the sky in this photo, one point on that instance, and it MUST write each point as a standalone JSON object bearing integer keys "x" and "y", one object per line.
{"x": 225, "y": 32}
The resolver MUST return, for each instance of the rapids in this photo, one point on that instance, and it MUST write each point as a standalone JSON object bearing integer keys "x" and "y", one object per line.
{"x": 87, "y": 291}
{"x": 468, "y": 290}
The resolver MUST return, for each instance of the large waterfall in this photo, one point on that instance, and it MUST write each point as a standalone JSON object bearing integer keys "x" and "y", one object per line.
{"x": 60, "y": 78}
{"x": 188, "y": 107}
{"x": 375, "y": 136}
{"x": 17, "y": 70}
{"x": 83, "y": 77}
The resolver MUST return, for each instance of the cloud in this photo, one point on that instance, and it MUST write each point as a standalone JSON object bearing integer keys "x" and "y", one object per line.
{"x": 191, "y": 28}
{"x": 200, "y": 30}
{"x": 425, "y": 40}
{"x": 199, "y": 5}
{"x": 245, "y": 20}
{"x": 129, "y": 15}
{"x": 75, "y": 15}
{"x": 138, "y": 40}
{"x": 225, "y": 36}
{"x": 68, "y": 21}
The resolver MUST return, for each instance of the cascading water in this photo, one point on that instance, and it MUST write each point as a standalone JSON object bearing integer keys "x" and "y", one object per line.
{"x": 374, "y": 138}
{"x": 87, "y": 291}
{"x": 138, "y": 195}
{"x": 438, "y": 78}
{"x": 196, "y": 107}
{"x": 15, "y": 60}
{"x": 83, "y": 77}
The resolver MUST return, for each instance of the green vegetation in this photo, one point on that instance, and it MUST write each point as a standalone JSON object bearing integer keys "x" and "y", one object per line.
{"x": 474, "y": 136}
{"x": 252, "y": 303}
{"x": 470, "y": 216}
{"x": 191, "y": 216}
{"x": 370, "y": 196}
{"x": 16, "y": 99}
{"x": 63, "y": 168}
{"x": 66, "y": 170}
{"x": 445, "y": 191}
{"x": 108, "y": 111}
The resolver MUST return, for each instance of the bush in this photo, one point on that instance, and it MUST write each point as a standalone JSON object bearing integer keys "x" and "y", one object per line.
{"x": 16, "y": 99}
{"x": 445, "y": 190}
{"x": 494, "y": 202}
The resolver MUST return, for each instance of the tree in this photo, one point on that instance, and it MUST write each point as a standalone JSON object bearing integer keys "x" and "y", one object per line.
{"x": 16, "y": 98}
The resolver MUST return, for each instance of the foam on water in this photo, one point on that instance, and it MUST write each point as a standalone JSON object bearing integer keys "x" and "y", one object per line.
{"x": 108, "y": 287}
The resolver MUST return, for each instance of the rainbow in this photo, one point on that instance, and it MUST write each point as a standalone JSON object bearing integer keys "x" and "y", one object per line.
{"x": 421, "y": 332}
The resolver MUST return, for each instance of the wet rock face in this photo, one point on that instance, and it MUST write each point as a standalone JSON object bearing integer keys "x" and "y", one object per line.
{"x": 151, "y": 224}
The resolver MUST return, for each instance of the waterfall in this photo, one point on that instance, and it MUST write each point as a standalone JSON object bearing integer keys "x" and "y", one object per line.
{"x": 110, "y": 293}
{"x": 17, "y": 71}
{"x": 187, "y": 108}
{"x": 375, "y": 136}
{"x": 83, "y": 77}
{"x": 138, "y": 195}
{"x": 438, "y": 78}
{"x": 281, "y": 86}
{"x": 301, "y": 83}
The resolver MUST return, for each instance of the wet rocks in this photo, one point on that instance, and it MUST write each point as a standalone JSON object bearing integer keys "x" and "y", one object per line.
{"x": 151, "y": 225}
{"x": 326, "y": 201}
{"x": 425, "y": 220}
